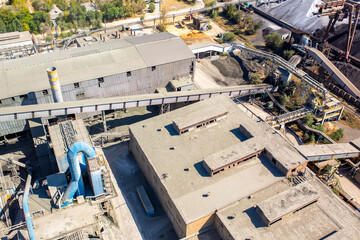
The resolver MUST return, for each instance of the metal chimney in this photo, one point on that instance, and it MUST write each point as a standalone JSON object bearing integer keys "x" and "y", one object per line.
{"x": 55, "y": 84}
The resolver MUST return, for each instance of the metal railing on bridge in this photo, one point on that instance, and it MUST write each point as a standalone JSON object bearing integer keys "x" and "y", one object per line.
{"x": 284, "y": 64}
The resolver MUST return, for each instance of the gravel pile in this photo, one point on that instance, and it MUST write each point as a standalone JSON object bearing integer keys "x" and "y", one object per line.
{"x": 229, "y": 67}
{"x": 298, "y": 13}
{"x": 351, "y": 72}
{"x": 342, "y": 41}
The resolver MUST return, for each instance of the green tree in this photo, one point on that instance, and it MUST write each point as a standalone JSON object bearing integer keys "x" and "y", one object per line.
{"x": 162, "y": 25}
{"x": 273, "y": 41}
{"x": 336, "y": 136}
{"x": 228, "y": 37}
{"x": 284, "y": 99}
{"x": 111, "y": 13}
{"x": 229, "y": 11}
{"x": 288, "y": 54}
{"x": 309, "y": 119}
{"x": 237, "y": 17}
{"x": 151, "y": 7}
{"x": 210, "y": 3}
{"x": 214, "y": 14}
{"x": 90, "y": 15}
{"x": 2, "y": 27}
{"x": 255, "y": 78}
{"x": 62, "y": 4}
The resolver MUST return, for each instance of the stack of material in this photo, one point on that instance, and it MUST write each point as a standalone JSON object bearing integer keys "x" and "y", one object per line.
{"x": 298, "y": 13}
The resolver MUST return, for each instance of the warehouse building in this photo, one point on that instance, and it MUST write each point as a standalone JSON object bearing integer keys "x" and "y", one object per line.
{"x": 204, "y": 158}
{"x": 123, "y": 67}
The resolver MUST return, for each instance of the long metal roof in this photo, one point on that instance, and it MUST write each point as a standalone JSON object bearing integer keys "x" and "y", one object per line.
{"x": 24, "y": 75}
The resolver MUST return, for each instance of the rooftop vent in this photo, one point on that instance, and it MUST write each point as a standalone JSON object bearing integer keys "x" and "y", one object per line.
{"x": 206, "y": 194}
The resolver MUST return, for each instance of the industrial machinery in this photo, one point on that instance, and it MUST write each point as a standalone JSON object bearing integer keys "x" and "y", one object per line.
{"x": 337, "y": 11}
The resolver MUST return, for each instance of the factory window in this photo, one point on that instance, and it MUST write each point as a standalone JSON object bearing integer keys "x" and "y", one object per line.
{"x": 45, "y": 92}
{"x": 128, "y": 74}
{"x": 80, "y": 96}
{"x": 13, "y": 99}
{"x": 100, "y": 80}
{"x": 76, "y": 85}
{"x": 0, "y": 102}
{"x": 153, "y": 68}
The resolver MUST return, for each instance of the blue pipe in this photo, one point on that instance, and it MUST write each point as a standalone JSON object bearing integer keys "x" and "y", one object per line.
{"x": 28, "y": 220}
{"x": 76, "y": 183}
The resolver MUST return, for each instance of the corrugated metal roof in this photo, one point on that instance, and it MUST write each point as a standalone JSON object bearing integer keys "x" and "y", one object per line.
{"x": 24, "y": 75}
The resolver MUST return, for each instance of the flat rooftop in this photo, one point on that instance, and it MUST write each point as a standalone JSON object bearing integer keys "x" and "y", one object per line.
{"x": 229, "y": 155}
{"x": 178, "y": 159}
{"x": 288, "y": 201}
{"x": 90, "y": 62}
{"x": 329, "y": 216}
{"x": 191, "y": 118}
{"x": 14, "y": 37}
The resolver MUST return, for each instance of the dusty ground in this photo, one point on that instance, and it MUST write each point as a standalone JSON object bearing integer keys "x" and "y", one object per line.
{"x": 340, "y": 40}
{"x": 350, "y": 71}
{"x": 172, "y": 5}
{"x": 349, "y": 133}
{"x": 128, "y": 176}
{"x": 227, "y": 71}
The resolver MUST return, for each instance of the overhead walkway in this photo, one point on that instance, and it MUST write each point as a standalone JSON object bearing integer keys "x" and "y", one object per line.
{"x": 328, "y": 151}
{"x": 333, "y": 71}
{"x": 115, "y": 103}
{"x": 306, "y": 127}
{"x": 290, "y": 116}
{"x": 280, "y": 62}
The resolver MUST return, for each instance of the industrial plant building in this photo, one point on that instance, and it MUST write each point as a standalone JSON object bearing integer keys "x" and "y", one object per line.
{"x": 212, "y": 165}
{"x": 74, "y": 189}
{"x": 123, "y": 67}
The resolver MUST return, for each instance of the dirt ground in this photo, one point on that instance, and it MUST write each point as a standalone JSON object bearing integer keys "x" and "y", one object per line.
{"x": 172, "y": 5}
{"x": 209, "y": 76}
{"x": 129, "y": 176}
{"x": 350, "y": 71}
{"x": 227, "y": 71}
{"x": 349, "y": 133}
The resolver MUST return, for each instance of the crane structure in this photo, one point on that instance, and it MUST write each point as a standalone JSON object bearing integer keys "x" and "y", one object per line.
{"x": 337, "y": 11}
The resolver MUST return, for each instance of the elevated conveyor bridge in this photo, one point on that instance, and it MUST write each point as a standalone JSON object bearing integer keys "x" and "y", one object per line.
{"x": 116, "y": 103}
{"x": 338, "y": 76}
{"x": 280, "y": 62}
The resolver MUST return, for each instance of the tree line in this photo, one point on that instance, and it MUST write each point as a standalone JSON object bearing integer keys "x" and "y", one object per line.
{"x": 16, "y": 16}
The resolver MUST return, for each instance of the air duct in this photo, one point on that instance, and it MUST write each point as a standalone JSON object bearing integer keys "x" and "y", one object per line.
{"x": 28, "y": 220}
{"x": 55, "y": 84}
{"x": 74, "y": 165}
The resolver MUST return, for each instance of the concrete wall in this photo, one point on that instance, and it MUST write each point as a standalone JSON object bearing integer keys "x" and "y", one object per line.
{"x": 222, "y": 230}
{"x": 141, "y": 81}
{"x": 160, "y": 191}
{"x": 200, "y": 224}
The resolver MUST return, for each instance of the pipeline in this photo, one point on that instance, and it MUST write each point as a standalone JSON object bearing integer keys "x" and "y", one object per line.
{"x": 28, "y": 220}
{"x": 74, "y": 165}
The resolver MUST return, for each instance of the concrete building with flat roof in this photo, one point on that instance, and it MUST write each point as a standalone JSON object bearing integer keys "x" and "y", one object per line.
{"x": 123, "y": 67}
{"x": 207, "y": 156}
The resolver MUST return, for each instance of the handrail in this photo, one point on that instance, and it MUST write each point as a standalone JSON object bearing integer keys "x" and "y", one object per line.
{"x": 282, "y": 62}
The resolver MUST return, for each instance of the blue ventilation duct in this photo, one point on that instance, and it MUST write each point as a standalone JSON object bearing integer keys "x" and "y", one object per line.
{"x": 28, "y": 220}
{"x": 76, "y": 185}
